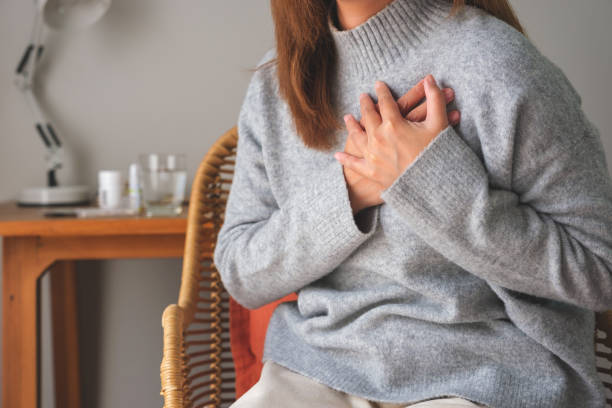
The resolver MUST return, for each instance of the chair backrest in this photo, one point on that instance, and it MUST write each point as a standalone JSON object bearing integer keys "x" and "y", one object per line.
{"x": 197, "y": 369}
{"x": 603, "y": 349}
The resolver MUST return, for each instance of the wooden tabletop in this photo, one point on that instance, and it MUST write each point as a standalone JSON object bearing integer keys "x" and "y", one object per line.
{"x": 31, "y": 221}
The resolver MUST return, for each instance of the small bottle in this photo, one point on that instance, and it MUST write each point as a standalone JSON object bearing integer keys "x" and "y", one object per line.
{"x": 134, "y": 188}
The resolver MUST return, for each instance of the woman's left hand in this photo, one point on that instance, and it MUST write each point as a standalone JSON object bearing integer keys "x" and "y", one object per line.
{"x": 389, "y": 142}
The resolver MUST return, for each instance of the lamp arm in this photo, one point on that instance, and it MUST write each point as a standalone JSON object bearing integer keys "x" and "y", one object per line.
{"x": 37, "y": 33}
{"x": 48, "y": 136}
{"x": 25, "y": 75}
{"x": 27, "y": 64}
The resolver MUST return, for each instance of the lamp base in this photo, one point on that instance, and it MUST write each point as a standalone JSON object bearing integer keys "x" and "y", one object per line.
{"x": 54, "y": 196}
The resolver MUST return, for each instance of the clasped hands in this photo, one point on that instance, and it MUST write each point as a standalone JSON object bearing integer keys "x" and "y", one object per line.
{"x": 389, "y": 138}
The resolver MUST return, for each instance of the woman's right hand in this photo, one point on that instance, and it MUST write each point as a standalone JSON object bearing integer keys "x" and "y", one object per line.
{"x": 363, "y": 192}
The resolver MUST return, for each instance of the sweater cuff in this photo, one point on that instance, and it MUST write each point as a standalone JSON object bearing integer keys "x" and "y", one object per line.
{"x": 331, "y": 217}
{"x": 439, "y": 183}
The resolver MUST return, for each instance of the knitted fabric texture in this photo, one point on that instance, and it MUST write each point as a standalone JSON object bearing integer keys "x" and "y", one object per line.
{"x": 479, "y": 275}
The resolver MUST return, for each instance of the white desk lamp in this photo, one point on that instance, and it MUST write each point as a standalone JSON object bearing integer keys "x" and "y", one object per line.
{"x": 58, "y": 15}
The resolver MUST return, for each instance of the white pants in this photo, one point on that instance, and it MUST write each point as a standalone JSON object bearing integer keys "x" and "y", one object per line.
{"x": 280, "y": 387}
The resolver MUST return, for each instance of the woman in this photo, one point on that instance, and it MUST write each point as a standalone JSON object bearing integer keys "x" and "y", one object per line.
{"x": 435, "y": 265}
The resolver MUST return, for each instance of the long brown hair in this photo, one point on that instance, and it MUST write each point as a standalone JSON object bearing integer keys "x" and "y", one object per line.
{"x": 305, "y": 60}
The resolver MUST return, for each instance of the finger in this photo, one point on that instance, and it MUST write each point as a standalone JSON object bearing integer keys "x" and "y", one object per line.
{"x": 436, "y": 105}
{"x": 351, "y": 123}
{"x": 388, "y": 107}
{"x": 411, "y": 98}
{"x": 449, "y": 94}
{"x": 419, "y": 113}
{"x": 454, "y": 117}
{"x": 369, "y": 116}
{"x": 360, "y": 138}
{"x": 354, "y": 163}
{"x": 362, "y": 120}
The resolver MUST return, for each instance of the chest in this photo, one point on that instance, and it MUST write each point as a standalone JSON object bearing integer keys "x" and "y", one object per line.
{"x": 289, "y": 162}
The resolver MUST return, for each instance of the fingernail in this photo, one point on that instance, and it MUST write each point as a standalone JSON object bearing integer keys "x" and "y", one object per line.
{"x": 448, "y": 94}
{"x": 430, "y": 80}
{"x": 337, "y": 156}
{"x": 346, "y": 118}
{"x": 456, "y": 117}
{"x": 378, "y": 84}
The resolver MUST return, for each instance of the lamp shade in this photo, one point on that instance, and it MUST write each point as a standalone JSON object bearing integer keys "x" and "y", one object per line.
{"x": 72, "y": 14}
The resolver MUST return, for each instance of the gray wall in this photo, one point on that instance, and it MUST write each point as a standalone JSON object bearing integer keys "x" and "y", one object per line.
{"x": 157, "y": 75}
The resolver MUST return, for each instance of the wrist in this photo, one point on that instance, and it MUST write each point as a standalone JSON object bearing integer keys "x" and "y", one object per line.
{"x": 356, "y": 204}
{"x": 355, "y": 208}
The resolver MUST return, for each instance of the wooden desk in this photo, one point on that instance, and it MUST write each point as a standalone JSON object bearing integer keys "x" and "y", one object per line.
{"x": 33, "y": 244}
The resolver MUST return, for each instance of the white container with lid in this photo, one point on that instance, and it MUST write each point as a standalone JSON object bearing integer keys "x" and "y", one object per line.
{"x": 110, "y": 188}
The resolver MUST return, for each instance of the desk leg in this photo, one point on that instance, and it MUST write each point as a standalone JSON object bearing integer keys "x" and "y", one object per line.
{"x": 20, "y": 387}
{"x": 65, "y": 335}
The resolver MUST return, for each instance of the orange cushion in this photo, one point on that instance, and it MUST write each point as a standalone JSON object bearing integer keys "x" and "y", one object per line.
{"x": 247, "y": 337}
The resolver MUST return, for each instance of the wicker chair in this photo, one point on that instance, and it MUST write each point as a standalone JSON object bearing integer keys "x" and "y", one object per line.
{"x": 197, "y": 368}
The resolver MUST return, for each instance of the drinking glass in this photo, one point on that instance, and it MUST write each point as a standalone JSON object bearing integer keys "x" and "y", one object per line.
{"x": 164, "y": 179}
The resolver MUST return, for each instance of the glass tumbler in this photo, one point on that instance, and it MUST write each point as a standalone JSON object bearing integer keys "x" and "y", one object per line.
{"x": 164, "y": 180}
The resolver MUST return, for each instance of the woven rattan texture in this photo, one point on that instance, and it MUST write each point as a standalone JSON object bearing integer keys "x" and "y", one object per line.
{"x": 197, "y": 368}
{"x": 603, "y": 351}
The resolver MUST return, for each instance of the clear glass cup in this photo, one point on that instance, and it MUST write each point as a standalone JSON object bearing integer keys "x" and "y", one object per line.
{"x": 164, "y": 179}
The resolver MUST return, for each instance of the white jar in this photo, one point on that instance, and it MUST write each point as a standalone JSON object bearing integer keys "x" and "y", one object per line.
{"x": 110, "y": 188}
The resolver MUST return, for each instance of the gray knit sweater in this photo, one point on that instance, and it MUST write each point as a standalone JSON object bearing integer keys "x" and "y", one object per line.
{"x": 479, "y": 274}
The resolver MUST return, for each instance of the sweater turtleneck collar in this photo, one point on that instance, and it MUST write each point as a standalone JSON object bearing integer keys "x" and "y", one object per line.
{"x": 387, "y": 36}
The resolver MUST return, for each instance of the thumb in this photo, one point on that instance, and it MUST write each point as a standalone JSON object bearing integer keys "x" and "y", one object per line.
{"x": 436, "y": 104}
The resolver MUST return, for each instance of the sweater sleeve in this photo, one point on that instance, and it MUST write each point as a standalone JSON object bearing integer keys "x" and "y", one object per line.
{"x": 265, "y": 251}
{"x": 550, "y": 235}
